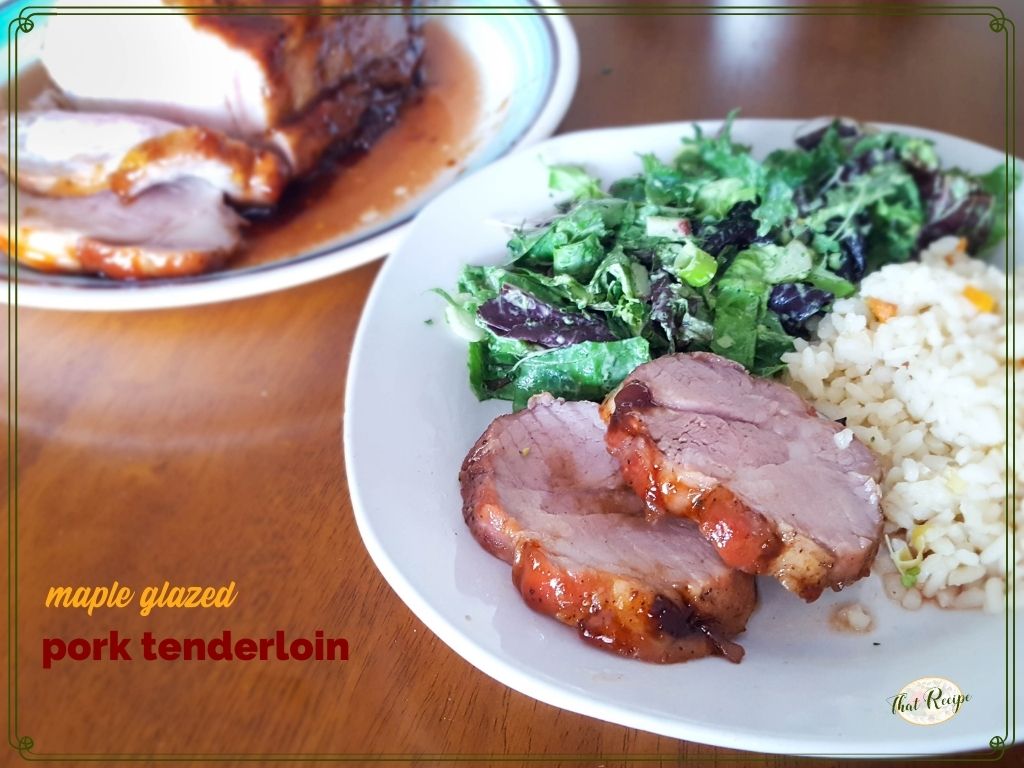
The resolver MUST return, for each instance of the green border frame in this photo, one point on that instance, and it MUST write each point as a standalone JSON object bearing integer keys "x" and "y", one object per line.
{"x": 23, "y": 24}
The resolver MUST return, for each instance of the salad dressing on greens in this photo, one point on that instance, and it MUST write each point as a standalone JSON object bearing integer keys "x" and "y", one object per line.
{"x": 712, "y": 251}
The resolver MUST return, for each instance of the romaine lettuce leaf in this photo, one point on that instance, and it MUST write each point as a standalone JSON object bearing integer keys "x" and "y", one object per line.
{"x": 741, "y": 295}
{"x": 782, "y": 263}
{"x": 621, "y": 287}
{"x": 586, "y": 371}
{"x": 772, "y": 343}
{"x": 579, "y": 259}
{"x": 716, "y": 198}
{"x": 776, "y": 208}
{"x": 575, "y": 181}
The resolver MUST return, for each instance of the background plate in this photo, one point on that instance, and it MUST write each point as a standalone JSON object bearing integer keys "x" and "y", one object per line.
{"x": 527, "y": 68}
{"x": 410, "y": 417}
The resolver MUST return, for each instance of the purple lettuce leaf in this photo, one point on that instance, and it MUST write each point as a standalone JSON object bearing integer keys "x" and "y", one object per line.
{"x": 519, "y": 315}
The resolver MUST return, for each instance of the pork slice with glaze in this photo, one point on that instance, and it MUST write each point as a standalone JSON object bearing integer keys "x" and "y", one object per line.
{"x": 176, "y": 229}
{"x": 778, "y": 489}
{"x": 541, "y": 492}
{"x": 68, "y": 154}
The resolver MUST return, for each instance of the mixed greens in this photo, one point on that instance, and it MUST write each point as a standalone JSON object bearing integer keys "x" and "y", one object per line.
{"x": 714, "y": 250}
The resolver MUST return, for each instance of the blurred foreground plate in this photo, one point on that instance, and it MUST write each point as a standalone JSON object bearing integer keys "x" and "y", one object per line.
{"x": 526, "y": 67}
{"x": 410, "y": 418}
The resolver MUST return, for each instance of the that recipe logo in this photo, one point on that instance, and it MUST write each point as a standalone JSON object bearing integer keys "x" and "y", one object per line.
{"x": 928, "y": 701}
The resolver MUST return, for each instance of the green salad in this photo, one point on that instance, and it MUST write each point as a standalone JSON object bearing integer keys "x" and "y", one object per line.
{"x": 712, "y": 250}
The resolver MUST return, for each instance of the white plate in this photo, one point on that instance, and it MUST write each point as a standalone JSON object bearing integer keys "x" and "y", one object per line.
{"x": 410, "y": 418}
{"x": 527, "y": 68}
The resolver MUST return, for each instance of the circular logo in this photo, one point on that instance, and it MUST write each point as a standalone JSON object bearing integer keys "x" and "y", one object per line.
{"x": 929, "y": 701}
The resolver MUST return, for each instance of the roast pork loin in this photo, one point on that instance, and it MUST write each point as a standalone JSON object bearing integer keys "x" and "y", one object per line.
{"x": 81, "y": 153}
{"x": 244, "y": 75}
{"x": 540, "y": 491}
{"x": 174, "y": 229}
{"x": 776, "y": 488}
{"x": 179, "y": 109}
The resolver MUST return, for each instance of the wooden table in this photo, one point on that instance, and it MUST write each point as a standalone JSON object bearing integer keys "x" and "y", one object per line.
{"x": 203, "y": 446}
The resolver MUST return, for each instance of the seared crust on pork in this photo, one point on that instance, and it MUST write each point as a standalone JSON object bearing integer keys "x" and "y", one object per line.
{"x": 540, "y": 491}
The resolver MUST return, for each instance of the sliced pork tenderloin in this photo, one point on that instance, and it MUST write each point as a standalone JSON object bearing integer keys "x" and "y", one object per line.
{"x": 540, "y": 491}
{"x": 776, "y": 488}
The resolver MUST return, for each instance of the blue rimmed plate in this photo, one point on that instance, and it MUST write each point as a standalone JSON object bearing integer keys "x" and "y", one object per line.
{"x": 526, "y": 68}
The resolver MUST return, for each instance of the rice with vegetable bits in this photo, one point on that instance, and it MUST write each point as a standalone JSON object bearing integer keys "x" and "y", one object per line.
{"x": 916, "y": 363}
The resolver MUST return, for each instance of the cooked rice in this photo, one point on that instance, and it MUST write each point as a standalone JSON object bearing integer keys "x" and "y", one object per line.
{"x": 926, "y": 389}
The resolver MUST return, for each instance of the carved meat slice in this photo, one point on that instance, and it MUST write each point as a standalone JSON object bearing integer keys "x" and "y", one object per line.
{"x": 541, "y": 492}
{"x": 245, "y": 174}
{"x": 175, "y": 229}
{"x": 71, "y": 153}
{"x": 778, "y": 489}
{"x": 78, "y": 153}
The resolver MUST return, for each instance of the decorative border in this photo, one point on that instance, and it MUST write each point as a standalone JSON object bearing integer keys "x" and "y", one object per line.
{"x": 24, "y": 24}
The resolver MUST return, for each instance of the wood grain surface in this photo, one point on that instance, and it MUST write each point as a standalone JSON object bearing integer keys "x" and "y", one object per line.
{"x": 204, "y": 445}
